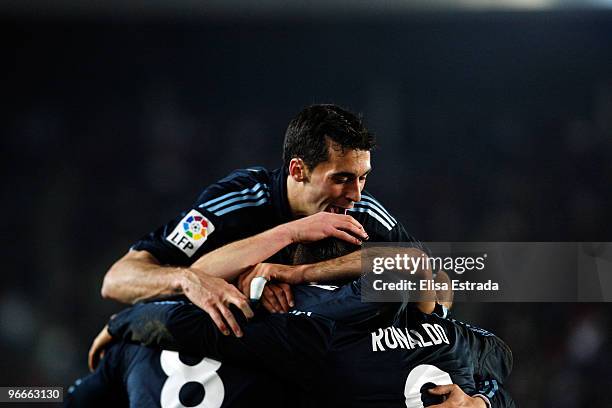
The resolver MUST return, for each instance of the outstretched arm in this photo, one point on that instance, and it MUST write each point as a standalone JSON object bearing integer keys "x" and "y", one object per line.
{"x": 277, "y": 298}
{"x": 139, "y": 275}
{"x": 233, "y": 259}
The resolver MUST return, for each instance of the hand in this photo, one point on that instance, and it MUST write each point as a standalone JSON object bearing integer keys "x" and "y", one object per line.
{"x": 323, "y": 225}
{"x": 444, "y": 297}
{"x": 456, "y": 398}
{"x": 96, "y": 351}
{"x": 276, "y": 297}
{"x": 214, "y": 295}
{"x": 291, "y": 274}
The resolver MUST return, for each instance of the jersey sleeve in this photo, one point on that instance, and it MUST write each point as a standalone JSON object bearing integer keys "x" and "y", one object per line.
{"x": 279, "y": 343}
{"x": 494, "y": 365}
{"x": 171, "y": 325}
{"x": 495, "y": 393}
{"x": 492, "y": 360}
{"x": 215, "y": 219}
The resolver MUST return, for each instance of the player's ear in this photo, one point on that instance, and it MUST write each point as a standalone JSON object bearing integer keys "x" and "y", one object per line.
{"x": 298, "y": 170}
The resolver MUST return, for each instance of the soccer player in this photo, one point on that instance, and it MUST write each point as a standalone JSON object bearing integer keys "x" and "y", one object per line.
{"x": 255, "y": 212}
{"x": 341, "y": 366}
{"x": 131, "y": 375}
{"x": 297, "y": 348}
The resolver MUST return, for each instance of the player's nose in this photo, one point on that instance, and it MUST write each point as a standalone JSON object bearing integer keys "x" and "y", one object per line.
{"x": 353, "y": 191}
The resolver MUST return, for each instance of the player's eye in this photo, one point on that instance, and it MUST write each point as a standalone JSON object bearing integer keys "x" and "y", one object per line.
{"x": 341, "y": 179}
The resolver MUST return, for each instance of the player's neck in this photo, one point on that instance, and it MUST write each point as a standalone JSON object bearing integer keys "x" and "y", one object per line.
{"x": 294, "y": 196}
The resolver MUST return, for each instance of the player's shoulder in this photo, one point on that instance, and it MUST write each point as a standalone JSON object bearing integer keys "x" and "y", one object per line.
{"x": 444, "y": 313}
{"x": 492, "y": 355}
{"x": 246, "y": 176}
{"x": 242, "y": 187}
{"x": 250, "y": 178}
{"x": 373, "y": 212}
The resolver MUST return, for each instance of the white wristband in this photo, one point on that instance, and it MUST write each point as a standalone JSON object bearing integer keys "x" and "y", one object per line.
{"x": 257, "y": 287}
{"x": 486, "y": 400}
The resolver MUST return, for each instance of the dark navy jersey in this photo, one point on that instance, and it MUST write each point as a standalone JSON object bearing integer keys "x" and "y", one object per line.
{"x": 391, "y": 365}
{"x": 423, "y": 349}
{"x": 492, "y": 363}
{"x": 387, "y": 367}
{"x": 268, "y": 343}
{"x": 245, "y": 203}
{"x": 136, "y": 376}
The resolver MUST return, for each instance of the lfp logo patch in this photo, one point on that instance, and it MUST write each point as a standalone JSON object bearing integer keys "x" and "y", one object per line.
{"x": 191, "y": 232}
{"x": 195, "y": 226}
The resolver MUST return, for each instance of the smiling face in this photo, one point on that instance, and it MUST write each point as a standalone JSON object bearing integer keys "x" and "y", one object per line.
{"x": 335, "y": 184}
{"x": 327, "y": 152}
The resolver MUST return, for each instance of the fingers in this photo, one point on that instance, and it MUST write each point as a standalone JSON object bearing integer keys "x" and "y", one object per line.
{"x": 345, "y": 236}
{"x": 352, "y": 225}
{"x": 241, "y": 302}
{"x": 267, "y": 305}
{"x": 269, "y": 297}
{"x": 455, "y": 397}
{"x": 92, "y": 360}
{"x": 222, "y": 316}
{"x": 281, "y": 298}
{"x": 231, "y": 320}
{"x": 96, "y": 351}
{"x": 350, "y": 219}
{"x": 356, "y": 224}
{"x": 277, "y": 298}
{"x": 216, "y": 317}
{"x": 325, "y": 224}
{"x": 94, "y": 356}
{"x": 288, "y": 293}
{"x": 442, "y": 389}
{"x": 444, "y": 297}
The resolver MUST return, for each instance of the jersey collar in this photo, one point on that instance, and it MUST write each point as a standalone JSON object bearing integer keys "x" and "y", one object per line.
{"x": 280, "y": 202}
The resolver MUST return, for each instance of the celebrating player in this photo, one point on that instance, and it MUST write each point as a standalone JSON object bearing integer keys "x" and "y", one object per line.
{"x": 342, "y": 366}
{"x": 373, "y": 365}
{"x": 255, "y": 212}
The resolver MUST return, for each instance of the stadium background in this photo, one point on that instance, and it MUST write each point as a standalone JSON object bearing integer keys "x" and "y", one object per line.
{"x": 493, "y": 124}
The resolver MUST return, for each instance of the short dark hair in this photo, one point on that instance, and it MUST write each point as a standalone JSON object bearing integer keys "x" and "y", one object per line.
{"x": 306, "y": 134}
{"x": 323, "y": 250}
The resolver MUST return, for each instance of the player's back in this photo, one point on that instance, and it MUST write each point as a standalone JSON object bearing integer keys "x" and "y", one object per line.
{"x": 137, "y": 376}
{"x": 389, "y": 366}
